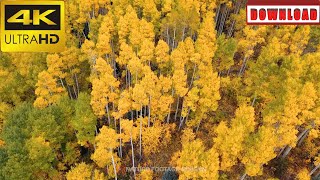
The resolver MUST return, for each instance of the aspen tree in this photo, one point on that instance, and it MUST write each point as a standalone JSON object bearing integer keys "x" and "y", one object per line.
{"x": 223, "y": 58}
{"x": 317, "y": 165}
{"x": 81, "y": 171}
{"x": 106, "y": 142}
{"x": 135, "y": 66}
{"x": 84, "y": 121}
{"x": 94, "y": 25}
{"x": 259, "y": 149}
{"x": 89, "y": 51}
{"x": 141, "y": 62}
{"x": 104, "y": 87}
{"x": 118, "y": 9}
{"x": 140, "y": 99}
{"x": 69, "y": 65}
{"x": 15, "y": 133}
{"x": 155, "y": 137}
{"x": 129, "y": 134}
{"x": 48, "y": 92}
{"x": 162, "y": 55}
{"x": 72, "y": 11}
{"x": 146, "y": 30}
{"x": 179, "y": 77}
{"x": 18, "y": 75}
{"x": 190, "y": 102}
{"x": 193, "y": 154}
{"x": 303, "y": 175}
{"x": 229, "y": 141}
{"x": 285, "y": 112}
{"x": 127, "y": 24}
{"x": 55, "y": 66}
{"x": 166, "y": 6}
{"x": 161, "y": 98}
{"x": 106, "y": 31}
{"x": 208, "y": 90}
{"x": 150, "y": 11}
{"x": 209, "y": 84}
{"x": 125, "y": 103}
{"x": 293, "y": 39}
{"x": 40, "y": 153}
{"x": 151, "y": 140}
{"x": 246, "y": 45}
{"x": 126, "y": 53}
{"x": 206, "y": 42}
{"x": 146, "y": 53}
{"x": 70, "y": 60}
{"x": 146, "y": 174}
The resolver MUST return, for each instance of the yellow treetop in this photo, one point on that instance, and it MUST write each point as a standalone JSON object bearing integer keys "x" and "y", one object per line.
{"x": 150, "y": 11}
{"x": 206, "y": 42}
{"x": 125, "y": 55}
{"x": 124, "y": 104}
{"x": 104, "y": 85}
{"x": 89, "y": 51}
{"x": 229, "y": 141}
{"x": 55, "y": 66}
{"x": 151, "y": 139}
{"x": 146, "y": 175}
{"x": 162, "y": 54}
{"x": 147, "y": 30}
{"x": 193, "y": 161}
{"x": 128, "y": 130}
{"x": 303, "y": 174}
{"x": 166, "y": 6}
{"x": 126, "y": 24}
{"x": 146, "y": 53}
{"x": 258, "y": 150}
{"x": 106, "y": 141}
{"x": 251, "y": 37}
{"x": 106, "y": 32}
{"x": 81, "y": 171}
{"x": 179, "y": 77}
{"x": 139, "y": 97}
{"x": 47, "y": 91}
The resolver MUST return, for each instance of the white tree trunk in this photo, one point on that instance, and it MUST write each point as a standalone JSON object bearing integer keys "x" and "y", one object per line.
{"x": 314, "y": 170}
{"x": 114, "y": 166}
{"x": 132, "y": 154}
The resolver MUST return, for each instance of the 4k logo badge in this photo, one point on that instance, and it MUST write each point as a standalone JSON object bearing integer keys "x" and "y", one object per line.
{"x": 32, "y": 26}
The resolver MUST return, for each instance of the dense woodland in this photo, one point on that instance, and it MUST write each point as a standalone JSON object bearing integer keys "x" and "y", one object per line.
{"x": 163, "y": 83}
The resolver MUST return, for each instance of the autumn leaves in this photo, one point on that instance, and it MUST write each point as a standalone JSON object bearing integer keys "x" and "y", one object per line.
{"x": 142, "y": 75}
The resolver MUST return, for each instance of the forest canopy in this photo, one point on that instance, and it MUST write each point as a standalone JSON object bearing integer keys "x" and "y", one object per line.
{"x": 163, "y": 83}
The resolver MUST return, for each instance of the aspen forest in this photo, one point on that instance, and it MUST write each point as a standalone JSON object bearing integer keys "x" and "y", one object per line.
{"x": 163, "y": 89}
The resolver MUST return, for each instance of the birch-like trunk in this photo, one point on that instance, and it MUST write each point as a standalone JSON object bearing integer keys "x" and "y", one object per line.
{"x": 175, "y": 115}
{"x": 303, "y": 137}
{"x": 77, "y": 84}
{"x": 289, "y": 148}
{"x": 192, "y": 78}
{"x": 243, "y": 66}
{"x": 140, "y": 136}
{"x": 243, "y": 176}
{"x": 314, "y": 169}
{"x": 120, "y": 138}
{"x": 114, "y": 166}
{"x": 168, "y": 117}
{"x": 198, "y": 125}
{"x": 108, "y": 114}
{"x": 132, "y": 154}
{"x": 149, "y": 113}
